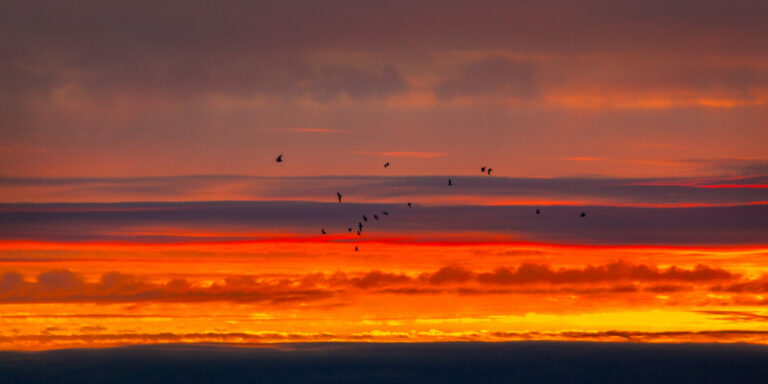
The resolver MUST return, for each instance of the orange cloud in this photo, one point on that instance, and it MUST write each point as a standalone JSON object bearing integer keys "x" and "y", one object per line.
{"x": 67, "y": 286}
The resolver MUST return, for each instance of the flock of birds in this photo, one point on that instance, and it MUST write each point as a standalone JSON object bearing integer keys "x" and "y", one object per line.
{"x": 360, "y": 224}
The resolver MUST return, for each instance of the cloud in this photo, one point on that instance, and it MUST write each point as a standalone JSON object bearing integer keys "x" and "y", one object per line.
{"x": 348, "y": 350}
{"x": 263, "y": 221}
{"x": 264, "y": 47}
{"x": 67, "y": 286}
{"x": 619, "y": 271}
{"x": 492, "y": 77}
{"x": 736, "y": 316}
{"x": 647, "y": 192}
{"x": 759, "y": 285}
{"x": 171, "y": 81}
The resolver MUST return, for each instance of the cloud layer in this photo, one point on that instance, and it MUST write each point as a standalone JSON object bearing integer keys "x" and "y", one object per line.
{"x": 66, "y": 286}
{"x": 259, "y": 221}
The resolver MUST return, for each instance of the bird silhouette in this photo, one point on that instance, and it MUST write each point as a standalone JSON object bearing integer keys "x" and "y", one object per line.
{"x": 583, "y": 214}
{"x": 365, "y": 218}
{"x": 482, "y": 169}
{"x": 338, "y": 194}
{"x": 279, "y": 158}
{"x": 489, "y": 171}
{"x": 358, "y": 233}
{"x": 409, "y": 205}
{"x": 538, "y": 212}
{"x": 359, "y": 227}
{"x": 322, "y": 231}
{"x": 349, "y": 229}
{"x": 355, "y": 248}
{"x": 450, "y": 182}
{"x": 386, "y": 165}
{"x": 376, "y": 217}
{"x": 385, "y": 213}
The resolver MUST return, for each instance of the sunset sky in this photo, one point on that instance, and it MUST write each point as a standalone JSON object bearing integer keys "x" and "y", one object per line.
{"x": 141, "y": 203}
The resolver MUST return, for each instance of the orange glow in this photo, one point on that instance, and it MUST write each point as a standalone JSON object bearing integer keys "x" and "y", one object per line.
{"x": 391, "y": 290}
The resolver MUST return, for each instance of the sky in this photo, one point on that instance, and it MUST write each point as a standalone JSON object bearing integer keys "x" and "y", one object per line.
{"x": 141, "y": 203}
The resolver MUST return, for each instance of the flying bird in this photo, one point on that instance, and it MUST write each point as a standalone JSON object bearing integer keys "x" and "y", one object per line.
{"x": 322, "y": 230}
{"x": 450, "y": 182}
{"x": 538, "y": 212}
{"x": 338, "y": 194}
{"x": 489, "y": 171}
{"x": 279, "y": 158}
{"x": 349, "y": 229}
{"x": 482, "y": 169}
{"x": 376, "y": 217}
{"x": 583, "y": 214}
{"x": 359, "y": 227}
{"x": 409, "y": 205}
{"x": 385, "y": 213}
{"x": 386, "y": 165}
{"x": 355, "y": 248}
{"x": 365, "y": 218}
{"x": 358, "y": 233}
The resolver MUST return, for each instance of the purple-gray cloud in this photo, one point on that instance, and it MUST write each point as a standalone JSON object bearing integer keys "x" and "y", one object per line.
{"x": 269, "y": 47}
{"x": 560, "y": 224}
{"x": 419, "y": 189}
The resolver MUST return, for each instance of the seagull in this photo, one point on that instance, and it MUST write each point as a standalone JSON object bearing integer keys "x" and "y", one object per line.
{"x": 359, "y": 227}
{"x": 365, "y": 218}
{"x": 385, "y": 213}
{"x": 322, "y": 231}
{"x": 489, "y": 171}
{"x": 450, "y": 183}
{"x": 279, "y": 158}
{"x": 583, "y": 214}
{"x": 386, "y": 165}
{"x": 338, "y": 194}
{"x": 358, "y": 233}
{"x": 355, "y": 248}
{"x": 376, "y": 217}
{"x": 409, "y": 205}
{"x": 482, "y": 169}
{"x": 538, "y": 212}
{"x": 349, "y": 229}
